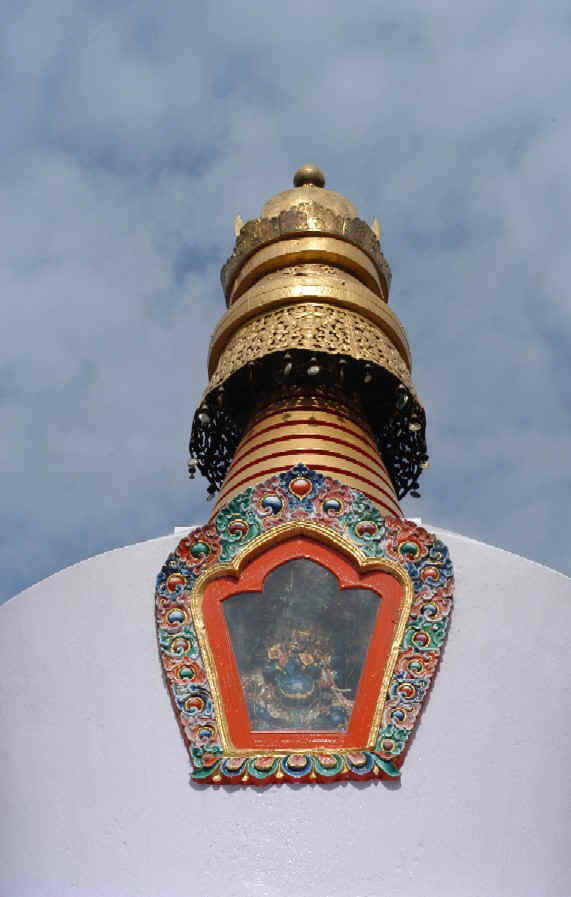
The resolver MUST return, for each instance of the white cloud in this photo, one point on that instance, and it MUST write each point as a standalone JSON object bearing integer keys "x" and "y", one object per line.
{"x": 133, "y": 136}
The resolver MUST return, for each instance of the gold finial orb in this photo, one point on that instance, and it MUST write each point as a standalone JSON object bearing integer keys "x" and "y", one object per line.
{"x": 309, "y": 174}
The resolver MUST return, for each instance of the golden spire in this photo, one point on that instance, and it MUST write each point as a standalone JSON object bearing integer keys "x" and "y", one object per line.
{"x": 307, "y": 290}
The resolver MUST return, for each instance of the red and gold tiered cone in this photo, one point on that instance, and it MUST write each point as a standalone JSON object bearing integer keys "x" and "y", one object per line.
{"x": 320, "y": 429}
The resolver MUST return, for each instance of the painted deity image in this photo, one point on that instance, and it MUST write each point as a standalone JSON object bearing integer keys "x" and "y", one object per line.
{"x": 300, "y": 646}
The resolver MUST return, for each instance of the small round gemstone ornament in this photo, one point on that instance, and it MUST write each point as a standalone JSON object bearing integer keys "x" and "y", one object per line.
{"x": 300, "y": 487}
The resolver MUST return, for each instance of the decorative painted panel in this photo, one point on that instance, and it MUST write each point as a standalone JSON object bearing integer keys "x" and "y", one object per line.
{"x": 299, "y": 633}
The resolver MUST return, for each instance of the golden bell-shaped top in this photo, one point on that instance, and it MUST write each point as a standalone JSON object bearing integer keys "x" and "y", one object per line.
{"x": 307, "y": 208}
{"x": 309, "y": 187}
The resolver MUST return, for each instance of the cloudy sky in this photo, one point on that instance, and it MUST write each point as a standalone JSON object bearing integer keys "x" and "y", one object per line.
{"x": 134, "y": 132}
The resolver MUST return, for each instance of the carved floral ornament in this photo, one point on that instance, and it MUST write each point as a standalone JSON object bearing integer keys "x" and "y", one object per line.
{"x": 299, "y": 634}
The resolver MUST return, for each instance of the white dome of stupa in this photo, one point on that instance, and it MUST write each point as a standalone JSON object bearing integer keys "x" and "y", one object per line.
{"x": 97, "y": 797}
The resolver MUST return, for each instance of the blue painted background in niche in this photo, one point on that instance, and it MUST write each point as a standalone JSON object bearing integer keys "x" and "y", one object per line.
{"x": 300, "y": 646}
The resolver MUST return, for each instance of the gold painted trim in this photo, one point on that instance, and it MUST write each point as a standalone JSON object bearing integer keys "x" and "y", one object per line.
{"x": 337, "y": 291}
{"x": 309, "y": 425}
{"x": 257, "y": 546}
{"x": 324, "y": 419}
{"x": 324, "y": 431}
{"x": 324, "y": 407}
{"x": 311, "y": 458}
{"x": 303, "y": 250}
{"x": 308, "y": 444}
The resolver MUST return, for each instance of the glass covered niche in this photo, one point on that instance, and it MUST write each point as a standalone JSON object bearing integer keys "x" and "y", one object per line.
{"x": 300, "y": 646}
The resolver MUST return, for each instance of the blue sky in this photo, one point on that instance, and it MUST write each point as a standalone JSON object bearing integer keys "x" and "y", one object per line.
{"x": 134, "y": 133}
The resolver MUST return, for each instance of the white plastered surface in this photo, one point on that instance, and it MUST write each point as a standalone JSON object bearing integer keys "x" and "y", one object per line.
{"x": 97, "y": 799}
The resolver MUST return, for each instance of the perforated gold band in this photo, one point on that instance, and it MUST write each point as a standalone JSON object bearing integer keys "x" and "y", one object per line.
{"x": 314, "y": 326}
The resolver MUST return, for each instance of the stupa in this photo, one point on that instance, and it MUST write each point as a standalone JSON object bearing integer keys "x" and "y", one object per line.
{"x": 300, "y": 631}
{"x": 301, "y": 628}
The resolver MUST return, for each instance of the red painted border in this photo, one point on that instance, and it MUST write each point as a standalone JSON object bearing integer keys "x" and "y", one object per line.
{"x": 251, "y": 580}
